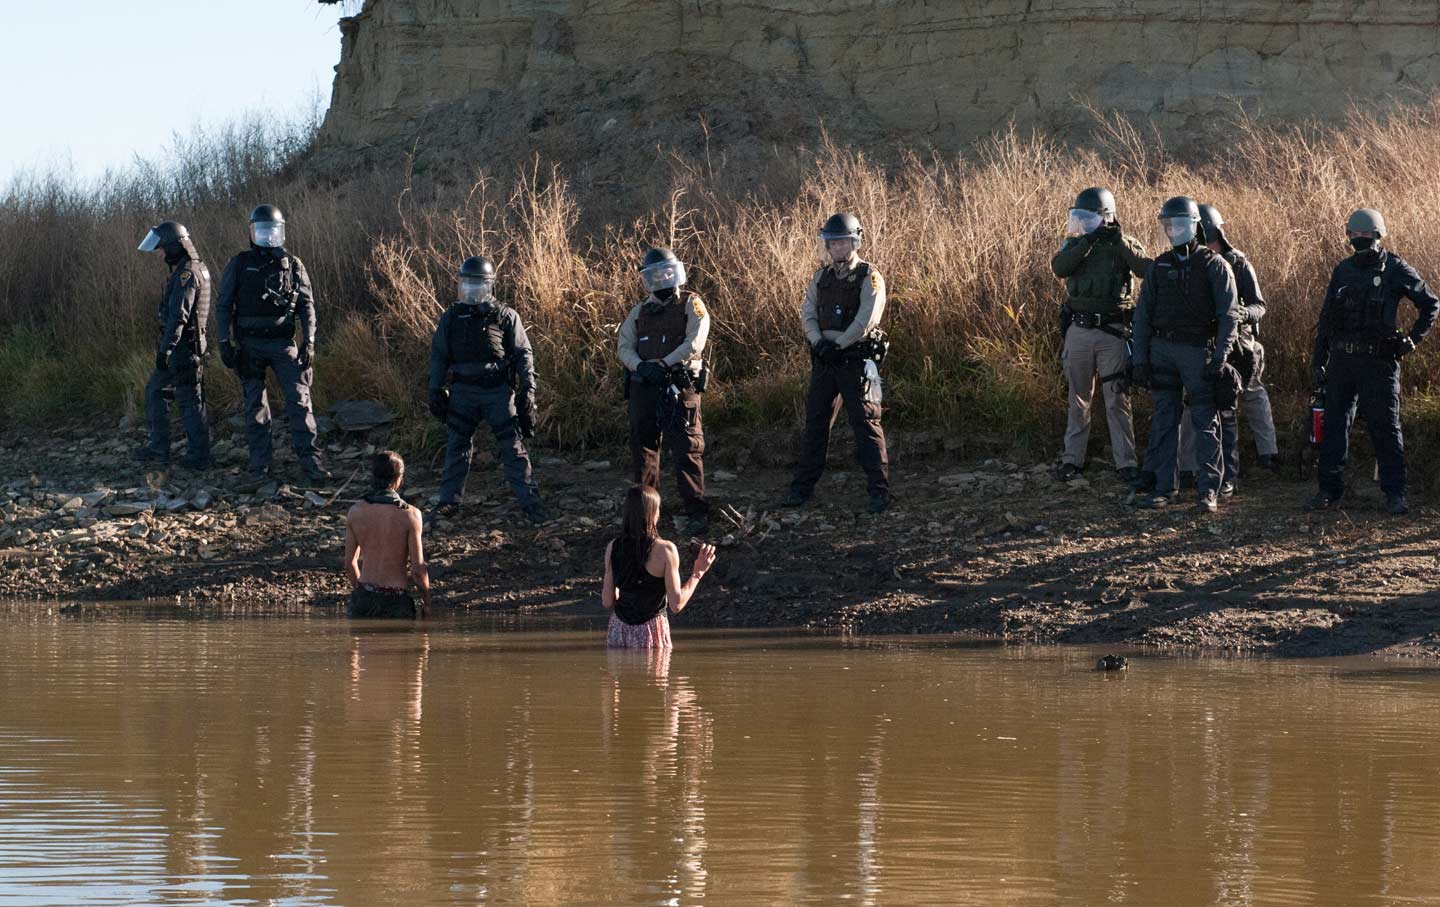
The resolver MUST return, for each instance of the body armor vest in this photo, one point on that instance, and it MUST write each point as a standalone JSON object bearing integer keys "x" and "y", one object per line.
{"x": 265, "y": 294}
{"x": 193, "y": 332}
{"x": 475, "y": 335}
{"x": 1247, "y": 332}
{"x": 1364, "y": 307}
{"x": 1184, "y": 299}
{"x": 1101, "y": 285}
{"x": 660, "y": 329}
{"x": 837, "y": 296}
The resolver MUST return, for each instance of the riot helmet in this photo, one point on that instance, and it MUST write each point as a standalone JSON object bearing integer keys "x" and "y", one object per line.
{"x": 661, "y": 270}
{"x": 267, "y": 227}
{"x": 839, "y": 227}
{"x": 1365, "y": 229}
{"x": 1213, "y": 225}
{"x": 477, "y": 279}
{"x": 1180, "y": 221}
{"x": 163, "y": 235}
{"x": 1093, "y": 207}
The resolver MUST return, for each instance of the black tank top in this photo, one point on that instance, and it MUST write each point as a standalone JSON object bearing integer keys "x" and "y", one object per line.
{"x": 642, "y": 595}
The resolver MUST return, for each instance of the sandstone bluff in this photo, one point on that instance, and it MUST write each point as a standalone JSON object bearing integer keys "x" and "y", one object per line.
{"x": 573, "y": 78}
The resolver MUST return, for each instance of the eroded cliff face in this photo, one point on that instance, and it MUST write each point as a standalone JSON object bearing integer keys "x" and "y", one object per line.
{"x": 580, "y": 77}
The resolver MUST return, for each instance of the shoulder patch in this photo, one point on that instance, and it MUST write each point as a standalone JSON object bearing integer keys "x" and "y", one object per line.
{"x": 698, "y": 306}
{"x": 185, "y": 275}
{"x": 877, "y": 283}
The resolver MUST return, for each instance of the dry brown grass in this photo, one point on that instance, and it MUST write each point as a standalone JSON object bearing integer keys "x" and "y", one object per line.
{"x": 964, "y": 243}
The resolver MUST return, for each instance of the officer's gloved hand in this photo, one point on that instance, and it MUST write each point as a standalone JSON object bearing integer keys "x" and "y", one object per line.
{"x": 162, "y": 361}
{"x": 1213, "y": 368}
{"x": 1404, "y": 346}
{"x": 525, "y": 417}
{"x": 439, "y": 403}
{"x": 1106, "y": 231}
{"x": 653, "y": 373}
{"x": 1141, "y": 375}
{"x": 827, "y": 351}
{"x": 302, "y": 356}
{"x": 1317, "y": 376}
{"x": 229, "y": 355}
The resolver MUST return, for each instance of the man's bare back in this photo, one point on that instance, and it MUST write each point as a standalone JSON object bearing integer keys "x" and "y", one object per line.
{"x": 386, "y": 542}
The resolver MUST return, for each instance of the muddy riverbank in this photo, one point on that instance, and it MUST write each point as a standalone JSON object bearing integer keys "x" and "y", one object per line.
{"x": 994, "y": 548}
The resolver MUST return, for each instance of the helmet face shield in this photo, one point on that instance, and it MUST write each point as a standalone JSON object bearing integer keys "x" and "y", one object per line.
{"x": 268, "y": 234}
{"x": 838, "y": 248}
{"x": 663, "y": 275}
{"x": 1178, "y": 230}
{"x": 1083, "y": 221}
{"x": 150, "y": 243}
{"x": 476, "y": 289}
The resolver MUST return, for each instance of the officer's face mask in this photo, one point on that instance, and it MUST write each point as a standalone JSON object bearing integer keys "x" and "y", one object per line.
{"x": 150, "y": 243}
{"x": 267, "y": 234}
{"x": 666, "y": 275}
{"x": 1362, "y": 242}
{"x": 475, "y": 289}
{"x": 838, "y": 250}
{"x": 1178, "y": 230}
{"x": 1082, "y": 222}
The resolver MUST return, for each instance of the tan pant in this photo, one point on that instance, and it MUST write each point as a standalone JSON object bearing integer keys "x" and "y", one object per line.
{"x": 1091, "y": 354}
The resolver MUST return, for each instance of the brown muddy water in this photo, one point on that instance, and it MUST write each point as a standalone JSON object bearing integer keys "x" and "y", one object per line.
{"x": 150, "y": 760}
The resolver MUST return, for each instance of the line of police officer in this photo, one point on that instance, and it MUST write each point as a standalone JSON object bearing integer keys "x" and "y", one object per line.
{"x": 1192, "y": 338}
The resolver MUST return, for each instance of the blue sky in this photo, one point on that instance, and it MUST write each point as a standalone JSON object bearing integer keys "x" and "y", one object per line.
{"x": 89, "y": 84}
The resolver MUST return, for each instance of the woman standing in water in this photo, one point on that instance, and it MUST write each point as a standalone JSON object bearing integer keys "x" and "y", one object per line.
{"x": 642, "y": 576}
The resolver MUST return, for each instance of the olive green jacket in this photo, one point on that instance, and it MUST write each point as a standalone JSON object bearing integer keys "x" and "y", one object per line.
{"x": 1097, "y": 272}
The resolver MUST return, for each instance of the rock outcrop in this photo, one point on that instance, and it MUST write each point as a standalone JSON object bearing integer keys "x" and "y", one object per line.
{"x": 574, "y": 77}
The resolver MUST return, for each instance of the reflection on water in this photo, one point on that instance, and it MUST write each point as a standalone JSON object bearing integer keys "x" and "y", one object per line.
{"x": 315, "y": 762}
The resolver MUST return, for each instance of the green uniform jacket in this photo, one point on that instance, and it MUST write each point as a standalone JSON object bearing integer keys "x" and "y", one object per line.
{"x": 1097, "y": 272}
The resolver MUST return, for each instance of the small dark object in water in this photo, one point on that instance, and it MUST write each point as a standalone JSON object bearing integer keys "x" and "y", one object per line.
{"x": 1112, "y": 663}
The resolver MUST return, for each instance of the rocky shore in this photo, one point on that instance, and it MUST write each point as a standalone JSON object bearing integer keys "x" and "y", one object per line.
{"x": 994, "y": 549}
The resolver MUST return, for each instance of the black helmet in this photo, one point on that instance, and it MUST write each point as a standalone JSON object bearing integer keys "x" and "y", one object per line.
{"x": 1181, "y": 208}
{"x": 842, "y": 226}
{"x": 661, "y": 270}
{"x": 266, "y": 214}
{"x": 1213, "y": 225}
{"x": 1098, "y": 200}
{"x": 163, "y": 235}
{"x": 479, "y": 267}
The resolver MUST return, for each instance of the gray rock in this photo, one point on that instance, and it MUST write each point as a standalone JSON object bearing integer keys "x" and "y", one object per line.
{"x": 360, "y": 415}
{"x": 97, "y": 497}
{"x": 595, "y": 465}
{"x": 202, "y": 499}
{"x": 128, "y": 508}
{"x": 137, "y": 530}
{"x": 315, "y": 500}
{"x": 72, "y": 503}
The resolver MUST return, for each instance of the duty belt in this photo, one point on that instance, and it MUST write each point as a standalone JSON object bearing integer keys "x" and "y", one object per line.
{"x": 1186, "y": 337}
{"x": 283, "y": 332}
{"x": 1361, "y": 347}
{"x": 1095, "y": 319}
{"x": 484, "y": 379}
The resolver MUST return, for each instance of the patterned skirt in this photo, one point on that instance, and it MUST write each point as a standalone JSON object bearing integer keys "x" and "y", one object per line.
{"x": 653, "y": 634}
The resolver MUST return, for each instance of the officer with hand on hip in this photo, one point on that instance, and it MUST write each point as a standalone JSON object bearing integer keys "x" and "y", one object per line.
{"x": 481, "y": 351}
{"x": 180, "y": 349}
{"x": 1358, "y": 348}
{"x": 264, "y": 292}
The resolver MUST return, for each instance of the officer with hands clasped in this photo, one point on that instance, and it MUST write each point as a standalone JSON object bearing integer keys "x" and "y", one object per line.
{"x": 264, "y": 292}
{"x": 660, "y": 345}
{"x": 1357, "y": 353}
{"x": 482, "y": 370}
{"x": 1185, "y": 321}
{"x": 179, "y": 350}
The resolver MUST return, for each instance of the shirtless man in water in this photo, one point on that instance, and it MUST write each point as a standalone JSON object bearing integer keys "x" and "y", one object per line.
{"x": 383, "y": 550}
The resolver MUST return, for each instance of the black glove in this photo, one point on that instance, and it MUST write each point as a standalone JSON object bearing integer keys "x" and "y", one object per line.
{"x": 1404, "y": 346}
{"x": 303, "y": 355}
{"x": 162, "y": 361}
{"x": 439, "y": 403}
{"x": 653, "y": 373}
{"x": 1106, "y": 231}
{"x": 229, "y": 355}
{"x": 1141, "y": 375}
{"x": 525, "y": 417}
{"x": 1213, "y": 369}
{"x": 827, "y": 351}
{"x": 1317, "y": 376}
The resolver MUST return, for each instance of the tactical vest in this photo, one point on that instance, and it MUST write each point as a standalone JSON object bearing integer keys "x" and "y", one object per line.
{"x": 1101, "y": 285}
{"x": 837, "y": 297}
{"x": 1364, "y": 306}
{"x": 265, "y": 295}
{"x": 1184, "y": 300}
{"x": 1247, "y": 332}
{"x": 660, "y": 329}
{"x": 475, "y": 335}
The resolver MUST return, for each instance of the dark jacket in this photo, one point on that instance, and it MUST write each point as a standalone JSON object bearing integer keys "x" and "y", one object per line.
{"x": 1097, "y": 272}
{"x": 1363, "y": 299}
{"x": 482, "y": 342}
{"x": 184, "y": 308}
{"x": 1220, "y": 311}
{"x": 263, "y": 292}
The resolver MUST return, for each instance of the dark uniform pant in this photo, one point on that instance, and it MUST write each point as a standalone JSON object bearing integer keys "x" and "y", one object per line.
{"x": 281, "y": 357}
{"x": 832, "y": 386}
{"x": 1179, "y": 371}
{"x": 185, "y": 382}
{"x": 1374, "y": 383}
{"x": 470, "y": 406}
{"x": 655, "y": 419}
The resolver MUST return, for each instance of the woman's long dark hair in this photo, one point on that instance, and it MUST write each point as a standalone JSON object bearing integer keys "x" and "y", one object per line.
{"x": 641, "y": 523}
